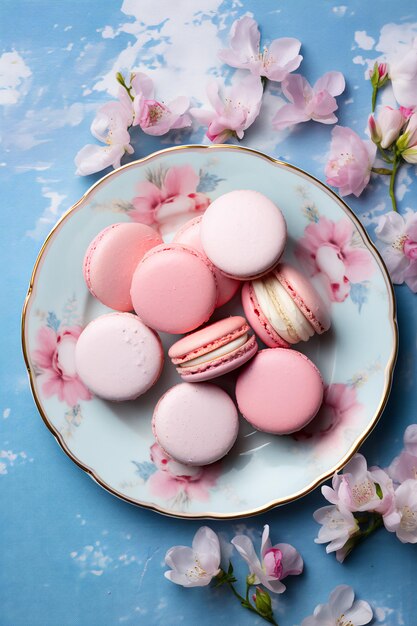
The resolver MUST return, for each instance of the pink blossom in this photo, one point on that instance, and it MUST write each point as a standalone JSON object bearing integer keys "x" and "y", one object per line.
{"x": 339, "y": 408}
{"x": 407, "y": 112}
{"x": 387, "y": 127}
{"x": 338, "y": 526}
{"x": 276, "y": 563}
{"x": 195, "y": 566}
{"x": 173, "y": 479}
{"x": 55, "y": 358}
{"x": 110, "y": 126}
{"x": 235, "y": 108}
{"x": 154, "y": 117}
{"x": 350, "y": 162}
{"x": 401, "y": 519}
{"x": 274, "y": 62}
{"x": 403, "y": 75}
{"x": 316, "y": 103}
{"x": 341, "y": 610}
{"x": 360, "y": 488}
{"x": 171, "y": 199}
{"x": 404, "y": 466}
{"x": 399, "y": 234}
{"x": 327, "y": 250}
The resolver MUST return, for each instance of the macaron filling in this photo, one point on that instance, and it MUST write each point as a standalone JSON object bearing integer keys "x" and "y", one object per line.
{"x": 281, "y": 311}
{"x": 217, "y": 353}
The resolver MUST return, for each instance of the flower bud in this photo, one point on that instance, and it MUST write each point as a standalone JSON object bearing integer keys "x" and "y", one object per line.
{"x": 374, "y": 130}
{"x": 263, "y": 602}
{"x": 407, "y": 142}
{"x": 379, "y": 74}
{"x": 390, "y": 123}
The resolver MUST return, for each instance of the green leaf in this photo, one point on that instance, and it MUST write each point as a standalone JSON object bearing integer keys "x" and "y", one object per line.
{"x": 230, "y": 569}
{"x": 375, "y": 75}
{"x": 379, "y": 491}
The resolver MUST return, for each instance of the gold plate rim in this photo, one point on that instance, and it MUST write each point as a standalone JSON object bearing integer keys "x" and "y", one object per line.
{"x": 389, "y": 370}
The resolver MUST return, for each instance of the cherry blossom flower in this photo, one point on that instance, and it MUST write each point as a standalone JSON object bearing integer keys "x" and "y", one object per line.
{"x": 379, "y": 74}
{"x": 327, "y": 250}
{"x": 341, "y": 610}
{"x": 402, "y": 518}
{"x": 55, "y": 358}
{"x": 403, "y": 75}
{"x": 387, "y": 127}
{"x": 110, "y": 126}
{"x": 235, "y": 108}
{"x": 276, "y": 563}
{"x": 196, "y": 566}
{"x": 404, "y": 466}
{"x": 407, "y": 143}
{"x": 170, "y": 198}
{"x": 350, "y": 162}
{"x": 154, "y": 117}
{"x": 338, "y": 525}
{"x": 399, "y": 234}
{"x": 360, "y": 488}
{"x": 275, "y": 62}
{"x": 175, "y": 480}
{"x": 316, "y": 103}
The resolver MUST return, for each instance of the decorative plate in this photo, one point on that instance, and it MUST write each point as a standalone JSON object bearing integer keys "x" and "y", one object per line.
{"x": 112, "y": 442}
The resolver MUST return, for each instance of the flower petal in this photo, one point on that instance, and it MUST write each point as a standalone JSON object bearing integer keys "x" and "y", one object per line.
{"x": 206, "y": 545}
{"x": 289, "y": 115}
{"x": 360, "y": 613}
{"x": 391, "y": 226}
{"x": 247, "y": 551}
{"x": 333, "y": 82}
{"x": 265, "y": 541}
{"x": 292, "y": 562}
{"x": 341, "y": 600}
{"x": 143, "y": 84}
{"x": 284, "y": 53}
{"x": 244, "y": 43}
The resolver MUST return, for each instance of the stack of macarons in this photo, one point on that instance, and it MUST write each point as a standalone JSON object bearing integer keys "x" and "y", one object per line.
{"x": 154, "y": 286}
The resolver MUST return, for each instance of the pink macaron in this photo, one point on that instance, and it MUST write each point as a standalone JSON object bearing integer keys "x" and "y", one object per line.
{"x": 214, "y": 350}
{"x": 284, "y": 308}
{"x": 243, "y": 233}
{"x": 190, "y": 235}
{"x": 117, "y": 357}
{"x": 174, "y": 288}
{"x": 112, "y": 258}
{"x": 195, "y": 424}
{"x": 279, "y": 391}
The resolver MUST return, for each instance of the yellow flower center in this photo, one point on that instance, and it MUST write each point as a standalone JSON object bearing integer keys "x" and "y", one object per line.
{"x": 196, "y": 572}
{"x": 408, "y": 519}
{"x": 363, "y": 492}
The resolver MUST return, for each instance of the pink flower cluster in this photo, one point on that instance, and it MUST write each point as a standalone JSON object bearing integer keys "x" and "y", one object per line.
{"x": 235, "y": 108}
{"x": 198, "y": 565}
{"x": 55, "y": 361}
{"x": 136, "y": 106}
{"x": 362, "y": 499}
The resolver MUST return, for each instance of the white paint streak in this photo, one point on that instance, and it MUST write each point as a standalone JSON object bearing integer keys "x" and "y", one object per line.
{"x": 13, "y": 77}
{"x": 364, "y": 41}
{"x": 49, "y": 215}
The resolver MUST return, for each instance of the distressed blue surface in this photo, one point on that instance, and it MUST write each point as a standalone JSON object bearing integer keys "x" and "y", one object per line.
{"x": 71, "y": 554}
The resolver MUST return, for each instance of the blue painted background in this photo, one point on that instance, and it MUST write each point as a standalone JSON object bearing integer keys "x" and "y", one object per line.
{"x": 71, "y": 554}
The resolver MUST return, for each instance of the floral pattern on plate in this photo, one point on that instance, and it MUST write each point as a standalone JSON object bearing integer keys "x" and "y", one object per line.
{"x": 165, "y": 190}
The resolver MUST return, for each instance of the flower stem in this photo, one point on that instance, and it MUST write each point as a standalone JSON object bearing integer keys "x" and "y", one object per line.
{"x": 374, "y": 95}
{"x": 384, "y": 155}
{"x": 245, "y": 602}
{"x": 395, "y": 166}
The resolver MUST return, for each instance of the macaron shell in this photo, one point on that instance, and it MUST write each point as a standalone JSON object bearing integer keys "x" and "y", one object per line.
{"x": 280, "y": 391}
{"x": 243, "y": 233}
{"x": 118, "y": 357}
{"x": 223, "y": 365}
{"x": 305, "y": 296}
{"x": 189, "y": 234}
{"x": 208, "y": 338}
{"x": 112, "y": 258}
{"x": 174, "y": 289}
{"x": 258, "y": 321}
{"x": 195, "y": 424}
